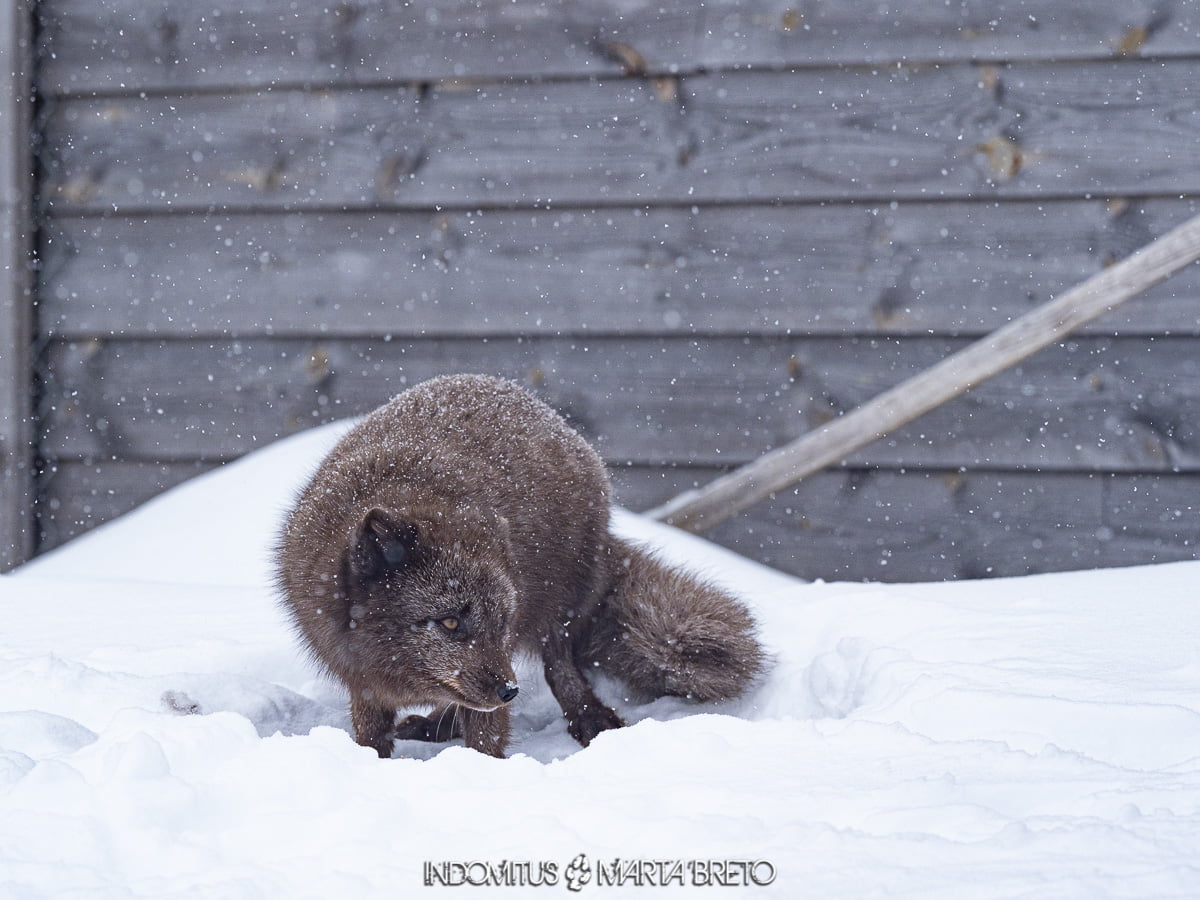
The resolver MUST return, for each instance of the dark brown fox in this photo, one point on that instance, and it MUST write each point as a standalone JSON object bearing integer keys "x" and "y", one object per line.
{"x": 462, "y": 523}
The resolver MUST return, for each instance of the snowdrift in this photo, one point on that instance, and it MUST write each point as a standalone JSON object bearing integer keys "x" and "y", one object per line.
{"x": 161, "y": 735}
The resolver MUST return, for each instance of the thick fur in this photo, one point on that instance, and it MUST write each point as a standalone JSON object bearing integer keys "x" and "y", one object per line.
{"x": 464, "y": 522}
{"x": 663, "y": 631}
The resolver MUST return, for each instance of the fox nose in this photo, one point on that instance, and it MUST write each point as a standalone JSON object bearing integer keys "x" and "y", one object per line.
{"x": 507, "y": 691}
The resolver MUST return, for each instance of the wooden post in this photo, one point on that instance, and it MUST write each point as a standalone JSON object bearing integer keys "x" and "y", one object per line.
{"x": 16, "y": 284}
{"x": 728, "y": 495}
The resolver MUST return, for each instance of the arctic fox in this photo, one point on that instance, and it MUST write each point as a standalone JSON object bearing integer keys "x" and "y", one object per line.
{"x": 465, "y": 522}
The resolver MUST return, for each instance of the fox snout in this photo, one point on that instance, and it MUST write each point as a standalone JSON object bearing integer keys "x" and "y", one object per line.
{"x": 488, "y": 690}
{"x": 502, "y": 686}
{"x": 507, "y": 692}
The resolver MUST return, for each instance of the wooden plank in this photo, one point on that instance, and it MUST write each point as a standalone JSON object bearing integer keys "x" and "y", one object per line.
{"x": 865, "y": 32}
{"x": 80, "y": 495}
{"x": 912, "y": 268}
{"x": 948, "y": 131}
{"x": 16, "y": 279}
{"x": 887, "y": 525}
{"x": 841, "y": 525}
{"x": 1100, "y": 404}
{"x": 105, "y": 154}
{"x": 915, "y": 396}
{"x": 942, "y": 132}
{"x": 125, "y": 46}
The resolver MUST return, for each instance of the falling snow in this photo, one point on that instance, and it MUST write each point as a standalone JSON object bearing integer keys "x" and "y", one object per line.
{"x": 161, "y": 734}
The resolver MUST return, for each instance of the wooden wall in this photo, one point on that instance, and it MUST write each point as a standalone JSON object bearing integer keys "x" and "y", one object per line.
{"x": 697, "y": 231}
{"x": 17, "y": 527}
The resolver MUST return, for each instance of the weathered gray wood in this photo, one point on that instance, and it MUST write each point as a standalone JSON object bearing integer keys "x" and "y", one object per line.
{"x": 913, "y": 397}
{"x": 885, "y": 525}
{"x": 948, "y": 131}
{"x": 126, "y": 45}
{"x": 915, "y": 268}
{"x": 16, "y": 299}
{"x": 1107, "y": 404}
{"x": 423, "y": 167}
{"x": 77, "y": 496}
{"x": 908, "y": 133}
{"x": 839, "y": 525}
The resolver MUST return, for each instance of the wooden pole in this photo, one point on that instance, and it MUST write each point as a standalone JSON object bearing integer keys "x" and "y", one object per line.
{"x": 16, "y": 285}
{"x": 728, "y": 495}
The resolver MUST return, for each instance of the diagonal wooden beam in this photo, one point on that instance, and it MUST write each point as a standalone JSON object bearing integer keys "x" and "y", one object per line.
{"x": 701, "y": 509}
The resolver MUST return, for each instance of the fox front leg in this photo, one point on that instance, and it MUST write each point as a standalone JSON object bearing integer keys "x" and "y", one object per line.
{"x": 486, "y": 732}
{"x": 372, "y": 724}
{"x": 586, "y": 715}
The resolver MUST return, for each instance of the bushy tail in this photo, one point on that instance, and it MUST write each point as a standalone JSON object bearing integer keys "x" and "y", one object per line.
{"x": 665, "y": 631}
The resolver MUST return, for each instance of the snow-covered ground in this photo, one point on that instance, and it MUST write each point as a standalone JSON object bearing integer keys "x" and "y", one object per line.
{"x": 161, "y": 736}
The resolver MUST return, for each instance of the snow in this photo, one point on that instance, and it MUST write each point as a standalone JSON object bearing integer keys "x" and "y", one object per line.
{"x": 161, "y": 735}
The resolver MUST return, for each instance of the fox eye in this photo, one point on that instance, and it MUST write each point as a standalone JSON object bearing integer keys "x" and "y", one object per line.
{"x": 450, "y": 623}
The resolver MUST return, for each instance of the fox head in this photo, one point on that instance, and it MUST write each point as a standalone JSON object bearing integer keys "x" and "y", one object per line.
{"x": 428, "y": 607}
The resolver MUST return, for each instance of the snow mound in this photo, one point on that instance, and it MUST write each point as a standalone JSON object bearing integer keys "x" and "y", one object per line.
{"x": 162, "y": 736}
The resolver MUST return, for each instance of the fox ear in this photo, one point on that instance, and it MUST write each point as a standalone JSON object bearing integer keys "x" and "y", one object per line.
{"x": 382, "y": 541}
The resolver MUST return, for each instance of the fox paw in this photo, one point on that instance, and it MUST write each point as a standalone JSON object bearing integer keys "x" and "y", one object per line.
{"x": 440, "y": 726}
{"x": 590, "y": 721}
